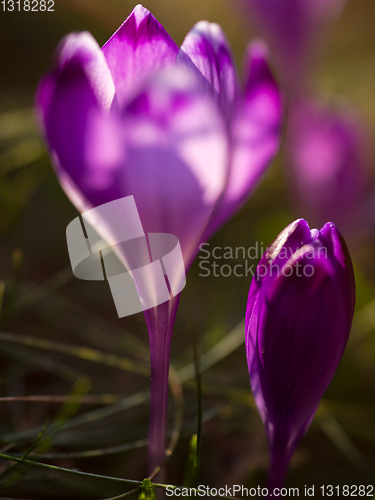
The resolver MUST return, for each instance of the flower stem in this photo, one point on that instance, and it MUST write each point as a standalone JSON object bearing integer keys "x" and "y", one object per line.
{"x": 160, "y": 321}
{"x": 280, "y": 457}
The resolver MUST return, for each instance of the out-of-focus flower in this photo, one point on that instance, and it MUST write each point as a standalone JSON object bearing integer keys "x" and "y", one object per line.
{"x": 294, "y": 29}
{"x": 325, "y": 145}
{"x": 169, "y": 126}
{"x": 298, "y": 320}
{"x": 326, "y": 153}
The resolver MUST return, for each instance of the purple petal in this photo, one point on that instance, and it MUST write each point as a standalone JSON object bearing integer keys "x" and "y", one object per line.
{"x": 78, "y": 89}
{"x": 338, "y": 253}
{"x": 277, "y": 254}
{"x": 256, "y": 134}
{"x": 176, "y": 159}
{"x": 291, "y": 238}
{"x": 78, "y": 50}
{"x": 69, "y": 113}
{"x": 168, "y": 150}
{"x": 207, "y": 46}
{"x": 139, "y": 48}
{"x": 302, "y": 334}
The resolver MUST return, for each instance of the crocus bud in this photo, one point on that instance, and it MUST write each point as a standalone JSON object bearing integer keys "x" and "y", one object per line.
{"x": 298, "y": 319}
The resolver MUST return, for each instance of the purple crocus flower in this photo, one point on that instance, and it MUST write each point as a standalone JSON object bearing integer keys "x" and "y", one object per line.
{"x": 326, "y": 154}
{"x": 294, "y": 29}
{"x": 298, "y": 319}
{"x": 169, "y": 126}
{"x": 325, "y": 144}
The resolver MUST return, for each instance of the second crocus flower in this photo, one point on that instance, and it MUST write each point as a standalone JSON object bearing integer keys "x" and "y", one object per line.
{"x": 298, "y": 319}
{"x": 295, "y": 30}
{"x": 326, "y": 155}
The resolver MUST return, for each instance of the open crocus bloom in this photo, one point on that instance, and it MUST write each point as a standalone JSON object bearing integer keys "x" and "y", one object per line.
{"x": 168, "y": 125}
{"x": 298, "y": 319}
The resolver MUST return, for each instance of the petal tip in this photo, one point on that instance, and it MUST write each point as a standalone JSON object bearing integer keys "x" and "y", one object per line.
{"x": 139, "y": 12}
{"x": 212, "y": 32}
{"x": 258, "y": 49}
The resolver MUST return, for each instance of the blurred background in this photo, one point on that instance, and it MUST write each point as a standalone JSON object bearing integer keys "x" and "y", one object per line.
{"x": 77, "y": 375}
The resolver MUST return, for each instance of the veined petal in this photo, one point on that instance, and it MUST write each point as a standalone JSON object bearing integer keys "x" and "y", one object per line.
{"x": 168, "y": 149}
{"x": 338, "y": 252}
{"x": 278, "y": 253}
{"x": 208, "y": 48}
{"x": 139, "y": 47}
{"x": 68, "y": 117}
{"x": 79, "y": 86}
{"x": 176, "y": 158}
{"x": 256, "y": 134}
{"x": 78, "y": 50}
{"x": 301, "y": 336}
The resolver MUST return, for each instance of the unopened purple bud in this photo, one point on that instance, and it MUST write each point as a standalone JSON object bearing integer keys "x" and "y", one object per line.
{"x": 298, "y": 320}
